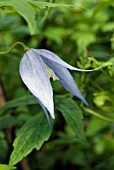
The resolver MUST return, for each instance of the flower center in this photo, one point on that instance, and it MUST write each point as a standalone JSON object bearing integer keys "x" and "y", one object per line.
{"x": 50, "y": 73}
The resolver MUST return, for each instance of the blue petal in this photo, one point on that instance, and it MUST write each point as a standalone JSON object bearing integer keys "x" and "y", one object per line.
{"x": 34, "y": 76}
{"x": 65, "y": 78}
{"x": 53, "y": 57}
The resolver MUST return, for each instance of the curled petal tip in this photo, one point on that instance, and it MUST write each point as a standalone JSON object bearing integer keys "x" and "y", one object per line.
{"x": 52, "y": 114}
{"x": 46, "y": 54}
{"x": 85, "y": 102}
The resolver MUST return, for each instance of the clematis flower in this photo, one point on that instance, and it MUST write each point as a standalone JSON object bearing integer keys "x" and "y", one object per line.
{"x": 36, "y": 68}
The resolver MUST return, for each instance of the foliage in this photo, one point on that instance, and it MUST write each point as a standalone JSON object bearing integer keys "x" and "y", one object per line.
{"x": 80, "y": 137}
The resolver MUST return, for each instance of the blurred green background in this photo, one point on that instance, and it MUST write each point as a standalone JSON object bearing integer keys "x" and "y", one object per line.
{"x": 83, "y": 36}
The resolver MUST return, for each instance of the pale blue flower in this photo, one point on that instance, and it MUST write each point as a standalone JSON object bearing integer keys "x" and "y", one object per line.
{"x": 37, "y": 66}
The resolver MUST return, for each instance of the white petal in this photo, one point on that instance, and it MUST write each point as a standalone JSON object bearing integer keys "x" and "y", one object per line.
{"x": 34, "y": 76}
{"x": 53, "y": 57}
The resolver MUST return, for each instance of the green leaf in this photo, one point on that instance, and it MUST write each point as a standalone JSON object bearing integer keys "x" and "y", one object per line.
{"x": 84, "y": 38}
{"x": 73, "y": 116}
{"x": 31, "y": 135}
{"x": 24, "y": 9}
{"x": 26, "y": 100}
{"x": 27, "y": 9}
{"x": 6, "y": 121}
{"x": 50, "y": 4}
{"x": 103, "y": 5}
{"x": 6, "y": 167}
{"x": 57, "y": 34}
{"x": 95, "y": 126}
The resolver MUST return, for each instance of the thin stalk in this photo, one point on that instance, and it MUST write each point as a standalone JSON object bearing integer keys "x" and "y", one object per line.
{"x": 98, "y": 115}
{"x": 11, "y": 48}
{"x": 46, "y": 14}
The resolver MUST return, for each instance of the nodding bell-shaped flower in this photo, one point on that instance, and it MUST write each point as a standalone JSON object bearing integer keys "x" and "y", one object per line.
{"x": 37, "y": 66}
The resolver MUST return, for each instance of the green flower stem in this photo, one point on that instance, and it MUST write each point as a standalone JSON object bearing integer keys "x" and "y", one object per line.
{"x": 10, "y": 49}
{"x": 46, "y": 14}
{"x": 98, "y": 115}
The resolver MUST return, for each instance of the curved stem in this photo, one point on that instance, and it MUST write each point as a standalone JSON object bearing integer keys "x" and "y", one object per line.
{"x": 10, "y": 49}
{"x": 98, "y": 115}
{"x": 46, "y": 14}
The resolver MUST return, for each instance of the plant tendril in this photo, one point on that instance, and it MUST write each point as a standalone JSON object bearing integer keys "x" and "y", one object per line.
{"x": 11, "y": 48}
